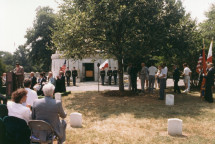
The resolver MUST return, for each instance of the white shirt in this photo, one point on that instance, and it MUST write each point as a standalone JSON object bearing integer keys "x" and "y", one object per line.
{"x": 166, "y": 70}
{"x": 163, "y": 72}
{"x": 31, "y": 96}
{"x": 187, "y": 71}
{"x": 152, "y": 70}
{"x": 18, "y": 110}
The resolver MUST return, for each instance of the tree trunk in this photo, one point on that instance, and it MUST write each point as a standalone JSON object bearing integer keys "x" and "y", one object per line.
{"x": 121, "y": 77}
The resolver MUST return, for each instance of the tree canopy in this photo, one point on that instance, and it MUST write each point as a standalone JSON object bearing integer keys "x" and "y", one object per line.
{"x": 39, "y": 39}
{"x": 129, "y": 30}
{"x": 207, "y": 28}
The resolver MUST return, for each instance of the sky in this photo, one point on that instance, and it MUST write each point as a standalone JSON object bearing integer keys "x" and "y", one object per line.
{"x": 16, "y": 16}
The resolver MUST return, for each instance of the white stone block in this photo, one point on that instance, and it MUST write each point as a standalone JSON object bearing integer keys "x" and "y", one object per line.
{"x": 174, "y": 126}
{"x": 57, "y": 96}
{"x": 76, "y": 119}
{"x": 169, "y": 99}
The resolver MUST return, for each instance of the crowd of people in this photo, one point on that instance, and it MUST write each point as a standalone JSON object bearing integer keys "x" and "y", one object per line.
{"x": 110, "y": 73}
{"x": 157, "y": 77}
{"x": 26, "y": 105}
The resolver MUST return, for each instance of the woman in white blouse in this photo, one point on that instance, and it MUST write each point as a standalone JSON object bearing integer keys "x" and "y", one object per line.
{"x": 15, "y": 107}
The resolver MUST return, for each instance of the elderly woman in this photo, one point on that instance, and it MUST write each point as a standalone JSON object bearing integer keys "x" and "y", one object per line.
{"x": 49, "y": 110}
{"x": 15, "y": 107}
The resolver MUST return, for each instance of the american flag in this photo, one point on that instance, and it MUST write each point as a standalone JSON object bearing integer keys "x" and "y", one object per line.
{"x": 63, "y": 68}
{"x": 199, "y": 64}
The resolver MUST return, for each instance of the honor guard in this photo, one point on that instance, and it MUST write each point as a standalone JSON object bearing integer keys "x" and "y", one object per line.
{"x": 102, "y": 74}
{"x": 115, "y": 71}
{"x": 109, "y": 74}
{"x": 74, "y": 75}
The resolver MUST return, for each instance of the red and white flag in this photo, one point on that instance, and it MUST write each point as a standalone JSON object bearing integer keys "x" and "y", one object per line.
{"x": 104, "y": 65}
{"x": 209, "y": 58}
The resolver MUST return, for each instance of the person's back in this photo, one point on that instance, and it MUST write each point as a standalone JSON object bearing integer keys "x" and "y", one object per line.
{"x": 31, "y": 95}
{"x": 152, "y": 70}
{"x": 49, "y": 110}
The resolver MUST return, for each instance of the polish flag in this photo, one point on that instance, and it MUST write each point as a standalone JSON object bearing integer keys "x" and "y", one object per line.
{"x": 104, "y": 65}
{"x": 209, "y": 58}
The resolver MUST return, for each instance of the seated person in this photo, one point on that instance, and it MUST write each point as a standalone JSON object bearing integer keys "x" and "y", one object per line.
{"x": 4, "y": 99}
{"x": 32, "y": 95}
{"x": 51, "y": 79}
{"x": 4, "y": 79}
{"x": 40, "y": 84}
{"x": 15, "y": 107}
{"x": 49, "y": 110}
{"x": 33, "y": 80}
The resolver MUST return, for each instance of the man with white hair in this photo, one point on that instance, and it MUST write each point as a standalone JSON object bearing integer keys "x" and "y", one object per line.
{"x": 33, "y": 80}
{"x": 49, "y": 110}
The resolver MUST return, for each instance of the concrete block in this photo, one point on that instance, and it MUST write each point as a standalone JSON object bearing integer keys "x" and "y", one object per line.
{"x": 174, "y": 126}
{"x": 76, "y": 119}
{"x": 57, "y": 96}
{"x": 169, "y": 99}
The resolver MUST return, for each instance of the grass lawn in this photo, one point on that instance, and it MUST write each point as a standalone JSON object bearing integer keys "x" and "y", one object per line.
{"x": 139, "y": 119}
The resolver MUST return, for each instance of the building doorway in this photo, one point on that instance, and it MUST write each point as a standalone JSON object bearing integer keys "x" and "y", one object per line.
{"x": 89, "y": 71}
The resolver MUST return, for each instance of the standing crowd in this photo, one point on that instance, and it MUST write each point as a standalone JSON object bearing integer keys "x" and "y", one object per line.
{"x": 152, "y": 76}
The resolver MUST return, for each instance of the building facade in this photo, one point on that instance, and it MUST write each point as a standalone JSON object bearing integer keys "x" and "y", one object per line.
{"x": 87, "y": 67}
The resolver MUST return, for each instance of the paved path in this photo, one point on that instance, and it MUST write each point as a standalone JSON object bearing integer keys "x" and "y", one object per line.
{"x": 93, "y": 86}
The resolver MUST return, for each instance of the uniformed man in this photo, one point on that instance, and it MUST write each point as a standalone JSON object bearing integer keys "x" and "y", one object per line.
{"x": 102, "y": 74}
{"x": 109, "y": 74}
{"x": 68, "y": 75}
{"x": 115, "y": 71}
{"x": 74, "y": 75}
{"x": 19, "y": 72}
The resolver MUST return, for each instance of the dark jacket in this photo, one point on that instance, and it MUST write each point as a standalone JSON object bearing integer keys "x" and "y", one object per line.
{"x": 68, "y": 73}
{"x": 74, "y": 73}
{"x": 115, "y": 72}
{"x": 102, "y": 73}
{"x": 109, "y": 73}
{"x": 176, "y": 75}
{"x": 210, "y": 78}
{"x": 33, "y": 81}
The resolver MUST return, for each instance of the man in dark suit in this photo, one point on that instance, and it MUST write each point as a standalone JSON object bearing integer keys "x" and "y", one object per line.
{"x": 176, "y": 77}
{"x": 41, "y": 82}
{"x": 33, "y": 80}
{"x": 209, "y": 83}
{"x": 68, "y": 75}
{"x": 115, "y": 72}
{"x": 133, "y": 75}
{"x": 50, "y": 110}
{"x": 74, "y": 75}
{"x": 109, "y": 74}
{"x": 102, "y": 74}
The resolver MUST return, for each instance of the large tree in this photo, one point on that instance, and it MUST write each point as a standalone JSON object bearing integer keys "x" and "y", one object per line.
{"x": 133, "y": 30}
{"x": 207, "y": 27}
{"x": 7, "y": 60}
{"x": 39, "y": 39}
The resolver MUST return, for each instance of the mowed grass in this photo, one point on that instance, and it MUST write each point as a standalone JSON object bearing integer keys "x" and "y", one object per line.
{"x": 139, "y": 119}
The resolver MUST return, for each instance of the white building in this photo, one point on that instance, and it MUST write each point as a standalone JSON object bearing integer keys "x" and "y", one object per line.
{"x": 87, "y": 68}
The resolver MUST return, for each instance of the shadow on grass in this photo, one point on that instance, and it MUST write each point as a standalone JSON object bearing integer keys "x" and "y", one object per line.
{"x": 141, "y": 106}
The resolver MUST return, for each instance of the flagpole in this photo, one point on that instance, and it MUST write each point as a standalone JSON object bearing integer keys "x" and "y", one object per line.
{"x": 202, "y": 92}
